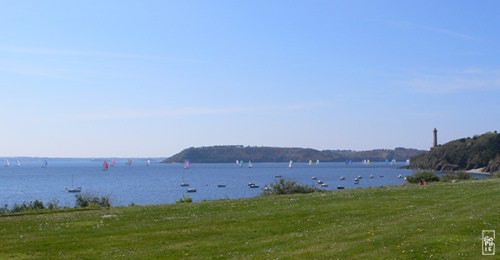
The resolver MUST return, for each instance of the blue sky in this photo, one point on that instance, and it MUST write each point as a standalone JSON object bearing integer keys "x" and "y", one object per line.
{"x": 150, "y": 78}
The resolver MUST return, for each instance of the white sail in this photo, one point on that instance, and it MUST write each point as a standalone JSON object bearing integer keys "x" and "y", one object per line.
{"x": 290, "y": 164}
{"x": 7, "y": 163}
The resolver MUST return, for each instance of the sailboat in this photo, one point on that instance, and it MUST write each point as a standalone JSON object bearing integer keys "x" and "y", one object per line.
{"x": 105, "y": 166}
{"x": 129, "y": 162}
{"x": 45, "y": 164}
{"x": 7, "y": 163}
{"x": 317, "y": 162}
{"x": 393, "y": 161}
{"x": 73, "y": 189}
{"x": 310, "y": 162}
{"x": 148, "y": 162}
{"x": 113, "y": 163}
{"x": 290, "y": 164}
{"x": 186, "y": 166}
{"x": 250, "y": 165}
{"x": 18, "y": 163}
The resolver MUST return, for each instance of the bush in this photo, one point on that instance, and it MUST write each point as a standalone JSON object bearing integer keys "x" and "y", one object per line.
{"x": 5, "y": 209}
{"x": 54, "y": 204}
{"x": 288, "y": 187}
{"x": 449, "y": 176}
{"x": 419, "y": 176}
{"x": 184, "y": 200}
{"x": 86, "y": 200}
{"x": 32, "y": 205}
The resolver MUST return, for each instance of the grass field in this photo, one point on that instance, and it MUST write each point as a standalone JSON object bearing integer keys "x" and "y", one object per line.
{"x": 442, "y": 220}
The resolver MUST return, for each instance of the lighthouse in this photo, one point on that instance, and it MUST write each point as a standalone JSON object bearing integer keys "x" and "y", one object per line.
{"x": 435, "y": 138}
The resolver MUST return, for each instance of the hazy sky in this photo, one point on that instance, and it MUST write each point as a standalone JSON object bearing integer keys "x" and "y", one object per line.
{"x": 150, "y": 78}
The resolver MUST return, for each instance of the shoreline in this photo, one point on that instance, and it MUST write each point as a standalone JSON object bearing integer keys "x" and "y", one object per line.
{"x": 479, "y": 171}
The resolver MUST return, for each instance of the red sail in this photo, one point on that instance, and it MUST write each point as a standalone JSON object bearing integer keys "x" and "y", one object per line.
{"x": 105, "y": 166}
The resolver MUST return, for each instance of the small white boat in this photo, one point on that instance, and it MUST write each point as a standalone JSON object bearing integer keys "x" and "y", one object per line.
{"x": 250, "y": 165}
{"x": 324, "y": 185}
{"x": 371, "y": 175}
{"x": 400, "y": 176}
{"x": 314, "y": 178}
{"x": 360, "y": 177}
{"x": 74, "y": 190}
{"x": 356, "y": 181}
{"x": 342, "y": 178}
{"x": 18, "y": 163}
{"x": 191, "y": 190}
{"x": 252, "y": 185}
{"x": 320, "y": 182}
{"x": 184, "y": 184}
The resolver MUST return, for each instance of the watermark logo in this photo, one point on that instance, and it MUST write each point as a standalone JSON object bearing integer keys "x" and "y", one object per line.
{"x": 488, "y": 242}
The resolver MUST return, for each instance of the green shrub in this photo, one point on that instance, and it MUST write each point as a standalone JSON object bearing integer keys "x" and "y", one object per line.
{"x": 87, "y": 200}
{"x": 288, "y": 187}
{"x": 32, "y": 205}
{"x": 449, "y": 176}
{"x": 5, "y": 209}
{"x": 419, "y": 176}
{"x": 53, "y": 204}
{"x": 184, "y": 200}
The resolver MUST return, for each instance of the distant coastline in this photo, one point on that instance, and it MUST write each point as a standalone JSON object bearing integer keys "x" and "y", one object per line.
{"x": 231, "y": 153}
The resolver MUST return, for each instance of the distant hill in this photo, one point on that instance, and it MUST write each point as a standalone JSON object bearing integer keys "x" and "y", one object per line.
{"x": 231, "y": 153}
{"x": 463, "y": 154}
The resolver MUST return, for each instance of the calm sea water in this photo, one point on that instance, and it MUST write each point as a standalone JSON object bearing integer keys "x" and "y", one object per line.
{"x": 160, "y": 183}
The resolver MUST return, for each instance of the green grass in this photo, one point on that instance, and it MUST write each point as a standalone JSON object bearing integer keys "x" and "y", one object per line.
{"x": 442, "y": 220}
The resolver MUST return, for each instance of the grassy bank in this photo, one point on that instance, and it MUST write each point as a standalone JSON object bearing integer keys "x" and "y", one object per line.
{"x": 441, "y": 220}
